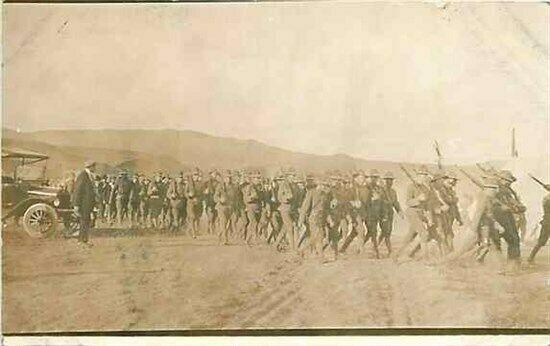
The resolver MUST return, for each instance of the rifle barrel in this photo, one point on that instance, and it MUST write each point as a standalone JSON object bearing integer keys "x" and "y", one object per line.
{"x": 472, "y": 179}
{"x": 537, "y": 180}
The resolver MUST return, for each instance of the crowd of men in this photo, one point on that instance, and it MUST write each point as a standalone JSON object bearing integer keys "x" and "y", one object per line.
{"x": 315, "y": 215}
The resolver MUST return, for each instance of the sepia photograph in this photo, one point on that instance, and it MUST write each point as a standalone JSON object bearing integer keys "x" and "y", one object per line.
{"x": 337, "y": 166}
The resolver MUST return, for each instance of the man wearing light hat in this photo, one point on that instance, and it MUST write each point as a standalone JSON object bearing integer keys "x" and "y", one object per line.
{"x": 418, "y": 214}
{"x": 83, "y": 200}
{"x": 193, "y": 194}
{"x": 176, "y": 199}
{"x": 505, "y": 207}
{"x": 374, "y": 209}
{"x": 391, "y": 204}
{"x": 357, "y": 212}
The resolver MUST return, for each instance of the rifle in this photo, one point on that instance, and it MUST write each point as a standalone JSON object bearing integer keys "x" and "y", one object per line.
{"x": 545, "y": 186}
{"x": 439, "y": 155}
{"x": 409, "y": 175}
{"x": 472, "y": 179}
{"x": 483, "y": 169}
{"x": 304, "y": 233}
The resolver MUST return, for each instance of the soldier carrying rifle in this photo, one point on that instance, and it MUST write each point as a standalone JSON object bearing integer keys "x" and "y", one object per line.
{"x": 545, "y": 222}
{"x": 418, "y": 213}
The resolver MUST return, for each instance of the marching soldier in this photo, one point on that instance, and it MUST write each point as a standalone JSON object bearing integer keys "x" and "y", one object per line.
{"x": 103, "y": 191}
{"x": 452, "y": 214}
{"x": 418, "y": 214}
{"x": 209, "y": 203}
{"x": 374, "y": 209}
{"x": 505, "y": 207}
{"x": 194, "y": 202}
{"x": 269, "y": 208}
{"x": 300, "y": 196}
{"x": 176, "y": 199}
{"x": 285, "y": 198}
{"x": 390, "y": 205}
{"x": 339, "y": 208}
{"x": 252, "y": 199}
{"x": 223, "y": 197}
{"x": 122, "y": 196}
{"x": 155, "y": 201}
{"x": 439, "y": 207}
{"x": 545, "y": 226}
{"x": 144, "y": 201}
{"x": 485, "y": 223}
{"x": 316, "y": 210}
{"x": 111, "y": 209}
{"x": 358, "y": 212}
{"x": 239, "y": 215}
{"x": 134, "y": 200}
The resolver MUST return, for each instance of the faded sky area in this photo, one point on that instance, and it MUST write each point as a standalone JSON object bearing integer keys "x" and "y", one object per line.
{"x": 372, "y": 80}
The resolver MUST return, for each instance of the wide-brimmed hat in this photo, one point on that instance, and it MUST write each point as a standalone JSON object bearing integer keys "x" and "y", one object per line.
{"x": 89, "y": 163}
{"x": 373, "y": 173}
{"x": 389, "y": 175}
{"x": 507, "y": 175}
{"x": 423, "y": 170}
{"x": 452, "y": 175}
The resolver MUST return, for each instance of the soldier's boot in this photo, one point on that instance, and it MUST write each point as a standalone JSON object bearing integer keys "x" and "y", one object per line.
{"x": 292, "y": 238}
{"x": 375, "y": 246}
{"x": 195, "y": 229}
{"x": 348, "y": 240}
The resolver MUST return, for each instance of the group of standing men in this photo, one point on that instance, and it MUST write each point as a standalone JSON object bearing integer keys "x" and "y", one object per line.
{"x": 316, "y": 213}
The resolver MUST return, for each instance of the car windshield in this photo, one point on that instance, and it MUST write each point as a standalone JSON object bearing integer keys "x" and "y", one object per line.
{"x": 23, "y": 164}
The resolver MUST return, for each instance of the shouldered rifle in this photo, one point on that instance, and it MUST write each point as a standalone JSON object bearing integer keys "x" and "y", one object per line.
{"x": 439, "y": 155}
{"x": 472, "y": 179}
{"x": 545, "y": 186}
{"x": 409, "y": 175}
{"x": 483, "y": 169}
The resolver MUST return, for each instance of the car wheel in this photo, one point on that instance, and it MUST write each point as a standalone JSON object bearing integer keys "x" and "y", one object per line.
{"x": 72, "y": 226}
{"x": 39, "y": 220}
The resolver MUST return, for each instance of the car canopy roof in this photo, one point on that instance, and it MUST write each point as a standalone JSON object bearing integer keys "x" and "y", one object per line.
{"x": 15, "y": 153}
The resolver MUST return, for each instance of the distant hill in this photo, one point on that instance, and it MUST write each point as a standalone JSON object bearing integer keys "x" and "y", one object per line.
{"x": 68, "y": 158}
{"x": 172, "y": 150}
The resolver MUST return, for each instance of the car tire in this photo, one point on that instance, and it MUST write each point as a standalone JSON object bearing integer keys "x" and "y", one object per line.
{"x": 39, "y": 220}
{"x": 72, "y": 226}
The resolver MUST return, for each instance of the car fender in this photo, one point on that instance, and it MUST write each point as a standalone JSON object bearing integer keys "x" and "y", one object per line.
{"x": 20, "y": 208}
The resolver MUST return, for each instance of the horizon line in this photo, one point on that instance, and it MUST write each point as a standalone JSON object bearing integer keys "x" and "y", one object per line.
{"x": 451, "y": 162}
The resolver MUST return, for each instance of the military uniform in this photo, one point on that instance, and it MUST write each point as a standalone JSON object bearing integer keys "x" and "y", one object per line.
{"x": 504, "y": 207}
{"x": 315, "y": 209}
{"x": 134, "y": 200}
{"x": 223, "y": 197}
{"x": 193, "y": 193}
{"x": 545, "y": 226}
{"x": 358, "y": 213}
{"x": 440, "y": 230}
{"x": 252, "y": 199}
{"x": 419, "y": 218}
{"x": 111, "y": 208}
{"x": 121, "y": 191}
{"x": 155, "y": 201}
{"x": 143, "y": 202}
{"x": 210, "y": 204}
{"x": 374, "y": 210}
{"x": 390, "y": 206}
{"x": 285, "y": 199}
{"x": 176, "y": 199}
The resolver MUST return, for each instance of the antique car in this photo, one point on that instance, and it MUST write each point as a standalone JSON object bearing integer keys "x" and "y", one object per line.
{"x": 40, "y": 207}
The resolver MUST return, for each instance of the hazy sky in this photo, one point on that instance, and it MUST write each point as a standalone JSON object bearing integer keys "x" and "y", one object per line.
{"x": 370, "y": 80}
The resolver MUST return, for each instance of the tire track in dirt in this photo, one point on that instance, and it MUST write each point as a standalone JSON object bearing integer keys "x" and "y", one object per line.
{"x": 399, "y": 303}
{"x": 260, "y": 302}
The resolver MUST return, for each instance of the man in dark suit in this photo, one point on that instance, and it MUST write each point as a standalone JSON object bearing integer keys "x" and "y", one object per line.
{"x": 83, "y": 199}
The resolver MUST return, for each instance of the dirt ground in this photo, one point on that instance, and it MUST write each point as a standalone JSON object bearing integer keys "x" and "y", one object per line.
{"x": 161, "y": 282}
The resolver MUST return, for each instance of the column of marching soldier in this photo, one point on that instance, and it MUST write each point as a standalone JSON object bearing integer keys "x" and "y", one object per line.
{"x": 318, "y": 215}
